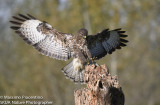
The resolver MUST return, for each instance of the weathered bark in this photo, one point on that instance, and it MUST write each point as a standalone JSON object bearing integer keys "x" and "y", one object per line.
{"x": 102, "y": 88}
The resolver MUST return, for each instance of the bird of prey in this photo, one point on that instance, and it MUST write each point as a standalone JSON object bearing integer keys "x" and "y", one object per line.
{"x": 83, "y": 48}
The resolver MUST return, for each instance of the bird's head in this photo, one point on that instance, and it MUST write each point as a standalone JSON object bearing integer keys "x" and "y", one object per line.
{"x": 83, "y": 32}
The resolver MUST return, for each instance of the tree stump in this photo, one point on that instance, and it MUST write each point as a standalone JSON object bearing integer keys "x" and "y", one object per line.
{"x": 102, "y": 88}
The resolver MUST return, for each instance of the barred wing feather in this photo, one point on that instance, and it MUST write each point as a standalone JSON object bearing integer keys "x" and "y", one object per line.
{"x": 42, "y": 37}
{"x": 106, "y": 42}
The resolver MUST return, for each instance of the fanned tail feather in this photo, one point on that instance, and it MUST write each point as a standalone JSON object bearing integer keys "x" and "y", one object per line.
{"x": 74, "y": 75}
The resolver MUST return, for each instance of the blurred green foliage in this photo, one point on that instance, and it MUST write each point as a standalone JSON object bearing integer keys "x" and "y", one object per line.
{"x": 23, "y": 71}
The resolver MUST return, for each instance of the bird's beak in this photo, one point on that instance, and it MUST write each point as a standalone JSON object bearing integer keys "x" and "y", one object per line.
{"x": 85, "y": 37}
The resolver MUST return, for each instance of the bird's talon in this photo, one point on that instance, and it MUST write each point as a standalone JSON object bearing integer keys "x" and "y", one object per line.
{"x": 93, "y": 59}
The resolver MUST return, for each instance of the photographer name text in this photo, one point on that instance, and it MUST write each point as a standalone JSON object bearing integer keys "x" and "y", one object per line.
{"x": 20, "y": 100}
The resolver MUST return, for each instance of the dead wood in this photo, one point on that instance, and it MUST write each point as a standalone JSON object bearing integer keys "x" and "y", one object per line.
{"x": 102, "y": 88}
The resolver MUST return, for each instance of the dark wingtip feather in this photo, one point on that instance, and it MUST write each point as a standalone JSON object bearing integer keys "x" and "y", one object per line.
{"x": 117, "y": 29}
{"x": 15, "y": 27}
{"x": 121, "y": 31}
{"x": 18, "y": 32}
{"x": 14, "y": 22}
{"x": 31, "y": 16}
{"x": 16, "y": 18}
{"x": 23, "y": 16}
{"x": 122, "y": 44}
{"x": 122, "y": 35}
{"x": 123, "y": 40}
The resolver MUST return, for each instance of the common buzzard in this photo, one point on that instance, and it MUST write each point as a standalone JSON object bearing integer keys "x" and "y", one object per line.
{"x": 62, "y": 46}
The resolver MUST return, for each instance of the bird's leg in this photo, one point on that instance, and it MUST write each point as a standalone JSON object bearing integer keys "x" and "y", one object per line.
{"x": 88, "y": 53}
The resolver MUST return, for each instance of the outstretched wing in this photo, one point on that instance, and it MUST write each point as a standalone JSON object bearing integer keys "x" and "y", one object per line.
{"x": 106, "y": 42}
{"x": 42, "y": 37}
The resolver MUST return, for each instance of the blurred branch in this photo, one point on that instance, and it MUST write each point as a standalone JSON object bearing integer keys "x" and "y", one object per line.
{"x": 86, "y": 20}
